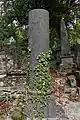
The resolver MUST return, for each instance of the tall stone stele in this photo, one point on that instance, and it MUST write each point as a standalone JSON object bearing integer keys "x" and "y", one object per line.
{"x": 38, "y": 36}
{"x": 39, "y": 42}
{"x": 78, "y": 54}
{"x": 66, "y": 56}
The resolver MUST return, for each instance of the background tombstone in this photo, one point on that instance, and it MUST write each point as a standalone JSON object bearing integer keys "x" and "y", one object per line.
{"x": 66, "y": 57}
{"x": 2, "y": 63}
{"x": 78, "y": 54}
{"x": 65, "y": 45}
{"x": 77, "y": 60}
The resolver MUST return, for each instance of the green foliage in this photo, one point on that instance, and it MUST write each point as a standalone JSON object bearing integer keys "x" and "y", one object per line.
{"x": 19, "y": 111}
{"x": 19, "y": 10}
{"x": 42, "y": 81}
{"x": 4, "y": 32}
{"x": 17, "y": 115}
{"x": 3, "y": 99}
{"x": 8, "y": 31}
{"x": 74, "y": 34}
{"x": 20, "y": 34}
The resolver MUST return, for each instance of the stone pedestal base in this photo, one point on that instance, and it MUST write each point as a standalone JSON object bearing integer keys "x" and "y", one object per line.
{"x": 66, "y": 64}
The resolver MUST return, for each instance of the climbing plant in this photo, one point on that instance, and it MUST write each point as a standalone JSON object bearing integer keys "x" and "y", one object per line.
{"x": 42, "y": 81}
{"x": 74, "y": 34}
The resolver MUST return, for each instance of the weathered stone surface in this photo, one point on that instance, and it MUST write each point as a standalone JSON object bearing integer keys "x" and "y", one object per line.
{"x": 78, "y": 54}
{"x": 66, "y": 64}
{"x": 72, "y": 80}
{"x": 1, "y": 84}
{"x": 38, "y": 35}
{"x": 60, "y": 114}
{"x": 50, "y": 110}
{"x": 2, "y": 63}
{"x": 67, "y": 90}
{"x": 65, "y": 45}
{"x": 72, "y": 110}
{"x": 66, "y": 57}
{"x": 73, "y": 92}
{"x": 2, "y": 76}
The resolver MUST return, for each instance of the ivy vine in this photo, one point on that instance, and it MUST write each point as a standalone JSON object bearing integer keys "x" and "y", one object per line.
{"x": 37, "y": 101}
{"x": 42, "y": 81}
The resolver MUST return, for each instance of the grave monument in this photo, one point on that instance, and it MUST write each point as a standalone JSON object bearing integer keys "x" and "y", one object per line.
{"x": 39, "y": 42}
{"x": 38, "y": 36}
{"x": 66, "y": 56}
{"x": 78, "y": 54}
